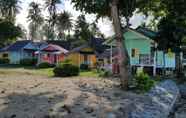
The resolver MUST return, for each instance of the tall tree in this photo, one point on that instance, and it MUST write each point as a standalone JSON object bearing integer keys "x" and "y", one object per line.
{"x": 172, "y": 23}
{"x": 35, "y": 18}
{"x": 9, "y": 9}
{"x": 51, "y": 5}
{"x": 8, "y": 32}
{"x": 171, "y": 36}
{"x": 23, "y": 30}
{"x": 95, "y": 30}
{"x": 47, "y": 32}
{"x": 115, "y": 9}
{"x": 64, "y": 23}
{"x": 82, "y": 31}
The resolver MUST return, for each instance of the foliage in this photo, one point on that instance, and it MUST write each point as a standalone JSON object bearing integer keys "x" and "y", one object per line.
{"x": 170, "y": 36}
{"x": 52, "y": 9}
{"x": 82, "y": 31}
{"x": 64, "y": 23}
{"x": 105, "y": 73}
{"x": 95, "y": 30}
{"x": 23, "y": 31}
{"x": 47, "y": 32}
{"x": 36, "y": 19}
{"x": 172, "y": 26}
{"x": 162, "y": 8}
{"x": 102, "y": 8}
{"x": 28, "y": 62}
{"x": 66, "y": 61}
{"x": 8, "y": 32}
{"x": 45, "y": 65}
{"x": 9, "y": 9}
{"x": 144, "y": 82}
{"x": 4, "y": 61}
{"x": 66, "y": 69}
{"x": 84, "y": 67}
{"x": 157, "y": 78}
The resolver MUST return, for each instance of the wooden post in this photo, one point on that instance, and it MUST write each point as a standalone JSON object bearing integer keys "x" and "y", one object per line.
{"x": 154, "y": 60}
{"x": 154, "y": 67}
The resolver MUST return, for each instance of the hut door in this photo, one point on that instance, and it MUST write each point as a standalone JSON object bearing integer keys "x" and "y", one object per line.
{"x": 85, "y": 59}
{"x": 55, "y": 58}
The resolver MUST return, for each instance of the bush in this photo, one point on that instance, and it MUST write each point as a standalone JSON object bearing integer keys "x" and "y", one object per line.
{"x": 45, "y": 65}
{"x": 4, "y": 61}
{"x": 28, "y": 62}
{"x": 84, "y": 67}
{"x": 143, "y": 82}
{"x": 67, "y": 61}
{"x": 66, "y": 69}
{"x": 104, "y": 73}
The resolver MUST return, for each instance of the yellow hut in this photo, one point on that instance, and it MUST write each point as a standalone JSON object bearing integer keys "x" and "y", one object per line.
{"x": 83, "y": 55}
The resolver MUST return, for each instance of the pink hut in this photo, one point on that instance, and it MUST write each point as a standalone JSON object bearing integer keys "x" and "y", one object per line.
{"x": 52, "y": 54}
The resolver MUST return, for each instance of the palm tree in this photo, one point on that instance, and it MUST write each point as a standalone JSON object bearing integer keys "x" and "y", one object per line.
{"x": 47, "y": 32}
{"x": 95, "y": 30}
{"x": 52, "y": 9}
{"x": 64, "y": 23}
{"x": 9, "y": 9}
{"x": 35, "y": 18}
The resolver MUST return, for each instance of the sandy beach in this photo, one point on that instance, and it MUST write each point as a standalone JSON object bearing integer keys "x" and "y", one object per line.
{"x": 23, "y": 95}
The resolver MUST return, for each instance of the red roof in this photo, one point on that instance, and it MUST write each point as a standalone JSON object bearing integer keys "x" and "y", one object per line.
{"x": 54, "y": 48}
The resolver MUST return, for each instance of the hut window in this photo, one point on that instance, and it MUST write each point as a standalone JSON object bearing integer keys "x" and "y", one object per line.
{"x": 135, "y": 52}
{"x": 86, "y": 58}
{"x": 5, "y": 55}
{"x": 100, "y": 59}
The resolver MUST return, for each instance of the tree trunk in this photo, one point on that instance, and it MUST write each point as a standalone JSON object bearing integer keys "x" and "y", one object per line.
{"x": 122, "y": 51}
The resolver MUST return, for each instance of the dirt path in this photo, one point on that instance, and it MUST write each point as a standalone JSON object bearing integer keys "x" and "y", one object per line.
{"x": 29, "y": 96}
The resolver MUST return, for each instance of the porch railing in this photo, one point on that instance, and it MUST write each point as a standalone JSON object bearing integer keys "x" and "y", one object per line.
{"x": 184, "y": 61}
{"x": 146, "y": 59}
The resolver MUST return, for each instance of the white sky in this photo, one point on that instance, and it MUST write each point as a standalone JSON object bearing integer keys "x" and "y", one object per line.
{"x": 105, "y": 25}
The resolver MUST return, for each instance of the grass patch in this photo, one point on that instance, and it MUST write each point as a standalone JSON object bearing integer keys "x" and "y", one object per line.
{"x": 18, "y": 70}
{"x": 89, "y": 74}
{"x": 46, "y": 72}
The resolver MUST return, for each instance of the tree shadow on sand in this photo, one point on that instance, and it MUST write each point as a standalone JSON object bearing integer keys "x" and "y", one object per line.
{"x": 90, "y": 102}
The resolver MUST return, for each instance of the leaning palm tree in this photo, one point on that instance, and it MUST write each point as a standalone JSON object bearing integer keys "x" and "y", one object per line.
{"x": 52, "y": 9}
{"x": 9, "y": 9}
{"x": 35, "y": 18}
{"x": 64, "y": 23}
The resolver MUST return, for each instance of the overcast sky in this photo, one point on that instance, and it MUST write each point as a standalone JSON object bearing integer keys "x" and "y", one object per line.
{"x": 104, "y": 24}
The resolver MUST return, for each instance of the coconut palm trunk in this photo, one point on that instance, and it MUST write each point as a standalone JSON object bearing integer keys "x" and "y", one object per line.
{"x": 122, "y": 51}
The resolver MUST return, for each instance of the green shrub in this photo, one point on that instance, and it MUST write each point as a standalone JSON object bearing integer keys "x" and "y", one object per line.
{"x": 144, "y": 82}
{"x": 4, "y": 61}
{"x": 66, "y": 61}
{"x": 157, "y": 78}
{"x": 84, "y": 67}
{"x": 45, "y": 65}
{"x": 28, "y": 62}
{"x": 66, "y": 69}
{"x": 104, "y": 73}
